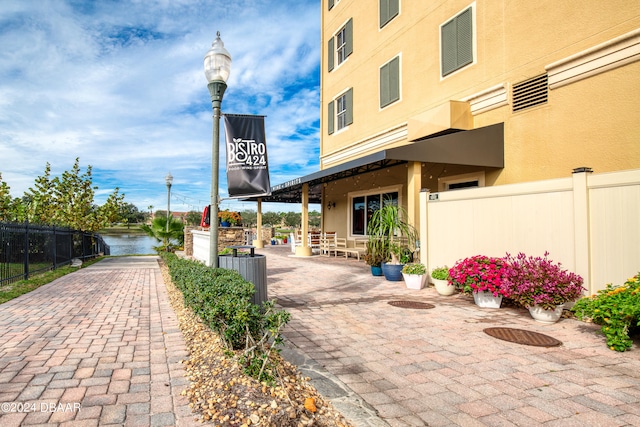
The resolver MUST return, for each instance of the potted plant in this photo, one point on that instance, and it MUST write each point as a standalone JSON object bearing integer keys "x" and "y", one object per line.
{"x": 373, "y": 257}
{"x": 482, "y": 276}
{"x": 395, "y": 236}
{"x": 541, "y": 286}
{"x": 228, "y": 218}
{"x": 441, "y": 281}
{"x": 414, "y": 275}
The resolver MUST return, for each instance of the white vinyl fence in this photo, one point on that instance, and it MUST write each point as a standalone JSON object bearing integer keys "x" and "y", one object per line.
{"x": 588, "y": 222}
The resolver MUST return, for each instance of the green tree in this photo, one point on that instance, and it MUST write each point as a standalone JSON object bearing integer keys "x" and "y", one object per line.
{"x": 315, "y": 219}
{"x": 249, "y": 218}
{"x": 193, "y": 218}
{"x": 40, "y": 199}
{"x": 130, "y": 214}
{"x": 6, "y": 202}
{"x": 73, "y": 199}
{"x": 67, "y": 201}
{"x": 292, "y": 219}
{"x": 271, "y": 218}
{"x": 158, "y": 230}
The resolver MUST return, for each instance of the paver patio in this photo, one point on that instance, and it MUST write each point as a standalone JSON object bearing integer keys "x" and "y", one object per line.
{"x": 437, "y": 367}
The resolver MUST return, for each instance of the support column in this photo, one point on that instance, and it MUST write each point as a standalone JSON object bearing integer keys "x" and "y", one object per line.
{"x": 414, "y": 184}
{"x": 305, "y": 250}
{"x": 424, "y": 227}
{"x": 258, "y": 242}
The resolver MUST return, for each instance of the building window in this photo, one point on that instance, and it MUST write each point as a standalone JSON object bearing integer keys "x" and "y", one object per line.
{"x": 389, "y": 9}
{"x": 390, "y": 82}
{"x": 456, "y": 37}
{"x": 457, "y": 182}
{"x": 340, "y": 112}
{"x": 363, "y": 208}
{"x": 333, "y": 3}
{"x": 340, "y": 46}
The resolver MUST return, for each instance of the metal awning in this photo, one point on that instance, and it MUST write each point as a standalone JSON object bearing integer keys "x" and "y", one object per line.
{"x": 483, "y": 147}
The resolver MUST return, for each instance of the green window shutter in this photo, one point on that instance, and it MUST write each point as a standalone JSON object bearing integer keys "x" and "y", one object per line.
{"x": 348, "y": 38}
{"x": 331, "y": 3}
{"x": 331, "y": 116}
{"x": 394, "y": 8}
{"x": 394, "y": 79}
{"x": 349, "y": 104}
{"x": 390, "y": 82}
{"x": 384, "y": 12}
{"x": 384, "y": 77}
{"x": 388, "y": 10}
{"x": 331, "y": 54}
{"x": 457, "y": 42}
{"x": 449, "y": 47}
{"x": 384, "y": 85}
{"x": 465, "y": 38}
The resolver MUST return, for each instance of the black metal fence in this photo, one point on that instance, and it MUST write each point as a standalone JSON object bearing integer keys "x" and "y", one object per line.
{"x": 27, "y": 249}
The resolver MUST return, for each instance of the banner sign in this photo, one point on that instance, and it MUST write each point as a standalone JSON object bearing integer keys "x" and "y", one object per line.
{"x": 247, "y": 166}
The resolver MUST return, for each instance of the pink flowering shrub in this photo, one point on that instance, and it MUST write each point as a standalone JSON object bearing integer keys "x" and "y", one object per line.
{"x": 530, "y": 281}
{"x": 480, "y": 273}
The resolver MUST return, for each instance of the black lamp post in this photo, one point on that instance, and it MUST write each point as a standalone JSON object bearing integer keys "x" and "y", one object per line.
{"x": 217, "y": 67}
{"x": 169, "y": 180}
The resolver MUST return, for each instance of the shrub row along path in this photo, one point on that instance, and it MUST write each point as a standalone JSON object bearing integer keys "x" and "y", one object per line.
{"x": 106, "y": 338}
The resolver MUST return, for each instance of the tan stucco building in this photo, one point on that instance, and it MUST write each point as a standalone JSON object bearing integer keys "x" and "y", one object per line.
{"x": 453, "y": 94}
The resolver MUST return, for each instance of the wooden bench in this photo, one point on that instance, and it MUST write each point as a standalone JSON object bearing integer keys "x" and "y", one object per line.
{"x": 342, "y": 247}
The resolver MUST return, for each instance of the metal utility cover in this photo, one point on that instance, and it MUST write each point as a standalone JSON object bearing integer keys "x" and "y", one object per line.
{"x": 411, "y": 304}
{"x": 521, "y": 336}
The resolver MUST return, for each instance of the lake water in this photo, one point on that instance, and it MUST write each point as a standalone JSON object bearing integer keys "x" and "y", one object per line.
{"x": 131, "y": 244}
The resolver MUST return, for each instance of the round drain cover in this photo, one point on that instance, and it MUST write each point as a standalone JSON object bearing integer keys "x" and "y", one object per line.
{"x": 520, "y": 336}
{"x": 411, "y": 304}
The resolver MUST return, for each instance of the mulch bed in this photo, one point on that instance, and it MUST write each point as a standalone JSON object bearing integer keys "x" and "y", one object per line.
{"x": 221, "y": 394}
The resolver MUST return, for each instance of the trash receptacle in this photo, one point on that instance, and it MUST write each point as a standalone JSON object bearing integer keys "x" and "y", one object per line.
{"x": 252, "y": 267}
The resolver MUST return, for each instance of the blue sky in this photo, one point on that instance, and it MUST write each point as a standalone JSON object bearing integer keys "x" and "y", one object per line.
{"x": 120, "y": 85}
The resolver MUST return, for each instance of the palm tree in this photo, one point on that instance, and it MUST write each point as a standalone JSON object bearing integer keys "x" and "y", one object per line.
{"x": 158, "y": 230}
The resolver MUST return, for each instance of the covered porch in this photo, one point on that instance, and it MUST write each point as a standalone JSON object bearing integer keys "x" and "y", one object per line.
{"x": 347, "y": 192}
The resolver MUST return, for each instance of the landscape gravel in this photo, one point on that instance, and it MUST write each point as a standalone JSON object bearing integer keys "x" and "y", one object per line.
{"x": 222, "y": 395}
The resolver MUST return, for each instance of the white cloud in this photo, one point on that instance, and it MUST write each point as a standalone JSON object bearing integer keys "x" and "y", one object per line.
{"x": 121, "y": 86}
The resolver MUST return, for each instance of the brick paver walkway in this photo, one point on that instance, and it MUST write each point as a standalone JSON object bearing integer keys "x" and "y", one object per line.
{"x": 437, "y": 367}
{"x": 100, "y": 346}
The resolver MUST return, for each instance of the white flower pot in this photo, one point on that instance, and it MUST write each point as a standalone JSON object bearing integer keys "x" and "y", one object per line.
{"x": 414, "y": 281}
{"x": 486, "y": 299}
{"x": 548, "y": 317}
{"x": 442, "y": 287}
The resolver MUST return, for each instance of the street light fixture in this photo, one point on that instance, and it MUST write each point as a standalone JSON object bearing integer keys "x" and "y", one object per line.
{"x": 217, "y": 67}
{"x": 169, "y": 180}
